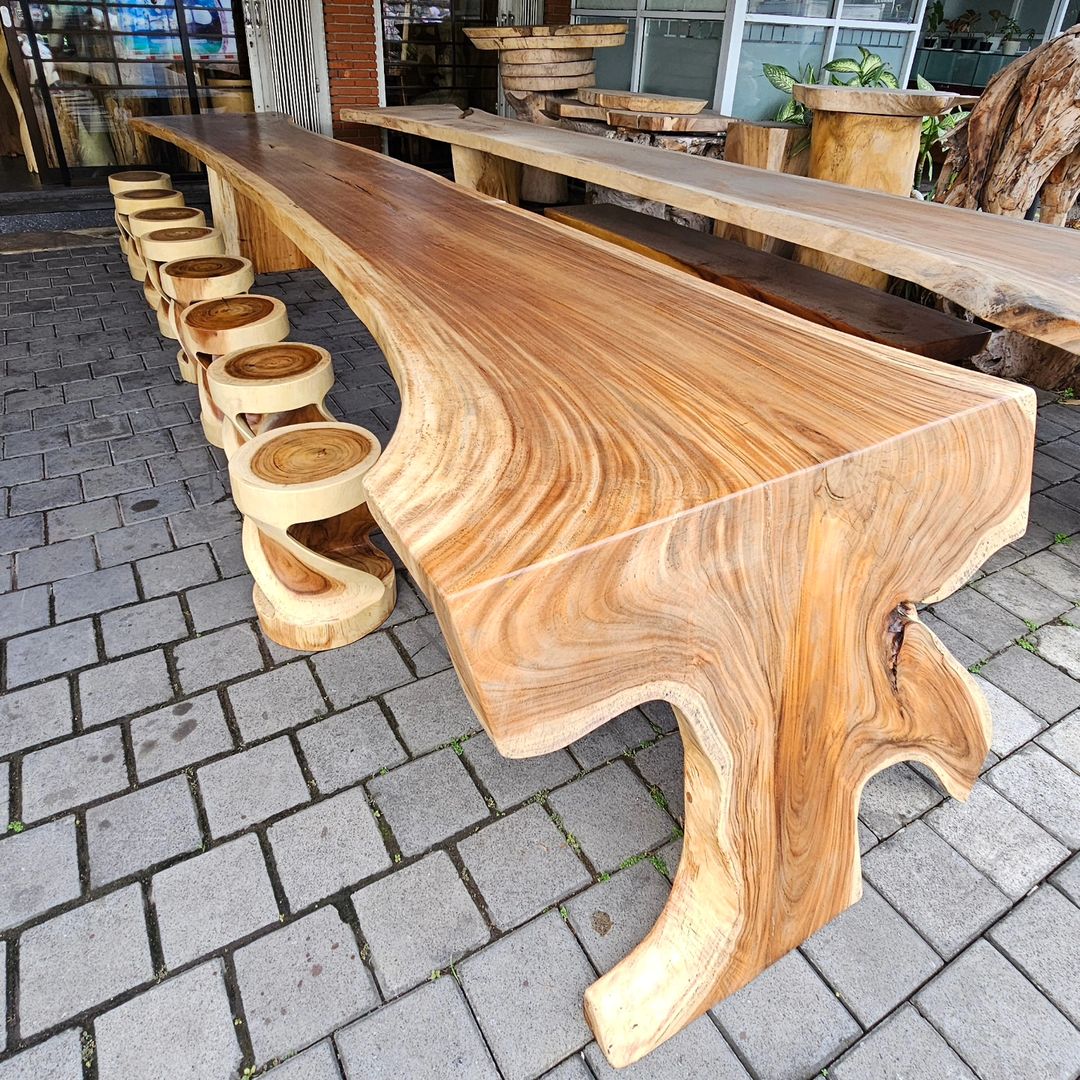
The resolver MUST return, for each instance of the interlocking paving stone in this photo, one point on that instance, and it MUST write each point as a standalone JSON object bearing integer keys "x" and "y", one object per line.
{"x": 1052, "y": 515}
{"x": 944, "y": 897}
{"x": 114, "y": 479}
{"x": 62, "y": 560}
{"x": 187, "y": 463}
{"x": 317, "y": 1062}
{"x": 45, "y": 495}
{"x": 997, "y": 1021}
{"x": 512, "y": 780}
{"x": 142, "y": 541}
{"x": 1063, "y": 741}
{"x": 39, "y": 869}
{"x": 539, "y": 972}
{"x": 1013, "y": 724}
{"x": 980, "y": 619}
{"x": 521, "y": 864}
{"x": 417, "y": 920}
{"x": 209, "y": 523}
{"x": 356, "y": 672}
{"x": 34, "y": 715}
{"x": 787, "y": 1024}
{"x": 178, "y": 736}
{"x": 1042, "y": 938}
{"x": 276, "y": 700}
{"x": 1032, "y": 681}
{"x": 698, "y": 1052}
{"x": 423, "y": 641}
{"x": 301, "y": 982}
{"x": 213, "y": 899}
{"x": 1067, "y": 879}
{"x": 431, "y": 712}
{"x": 573, "y": 1068}
{"x": 1060, "y": 645}
{"x": 141, "y": 829}
{"x": 661, "y": 765}
{"x": 384, "y": 1046}
{"x": 251, "y": 786}
{"x": 349, "y": 746}
{"x": 181, "y": 1028}
{"x": 70, "y": 773}
{"x": 1023, "y": 595}
{"x": 58, "y": 1058}
{"x": 427, "y": 800}
{"x": 613, "y": 916}
{"x": 221, "y": 602}
{"x": 25, "y": 609}
{"x": 81, "y": 958}
{"x": 85, "y": 519}
{"x": 173, "y": 571}
{"x": 50, "y": 652}
{"x": 217, "y": 657}
{"x": 904, "y": 1047}
{"x": 894, "y": 797}
{"x": 141, "y": 626}
{"x": 1044, "y": 789}
{"x": 996, "y": 838}
{"x": 1058, "y": 574}
{"x": 612, "y": 815}
{"x": 20, "y": 533}
{"x": 610, "y": 740}
{"x": 871, "y": 958}
{"x": 122, "y": 687}
{"x": 91, "y": 593}
{"x": 326, "y": 847}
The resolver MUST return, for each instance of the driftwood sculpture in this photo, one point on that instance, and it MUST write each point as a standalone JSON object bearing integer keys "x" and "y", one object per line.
{"x": 1020, "y": 151}
{"x": 1022, "y": 136}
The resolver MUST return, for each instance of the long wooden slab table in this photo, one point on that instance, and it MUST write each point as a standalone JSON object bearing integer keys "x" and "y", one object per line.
{"x": 1012, "y": 273}
{"x": 617, "y": 483}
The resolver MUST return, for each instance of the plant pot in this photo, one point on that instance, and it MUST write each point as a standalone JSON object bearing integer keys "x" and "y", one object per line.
{"x": 1010, "y": 47}
{"x": 984, "y": 46}
{"x": 947, "y": 43}
{"x": 930, "y": 41}
{"x": 967, "y": 44}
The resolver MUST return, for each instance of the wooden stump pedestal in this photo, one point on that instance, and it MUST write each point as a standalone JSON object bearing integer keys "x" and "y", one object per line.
{"x": 319, "y": 580}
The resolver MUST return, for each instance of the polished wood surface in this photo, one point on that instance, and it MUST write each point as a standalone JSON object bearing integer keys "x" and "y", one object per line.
{"x": 1014, "y": 273}
{"x": 617, "y": 483}
{"x": 878, "y": 102}
{"x": 706, "y": 122}
{"x": 635, "y": 102}
{"x": 809, "y": 293}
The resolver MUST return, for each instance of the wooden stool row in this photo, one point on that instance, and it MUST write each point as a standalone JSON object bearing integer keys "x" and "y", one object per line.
{"x": 296, "y": 472}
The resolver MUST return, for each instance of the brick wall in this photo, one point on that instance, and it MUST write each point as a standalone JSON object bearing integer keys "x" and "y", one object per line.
{"x": 350, "y": 56}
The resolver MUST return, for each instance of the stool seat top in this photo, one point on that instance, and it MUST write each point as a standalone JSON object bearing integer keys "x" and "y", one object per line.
{"x": 207, "y": 266}
{"x": 229, "y": 312}
{"x": 181, "y": 232}
{"x": 167, "y": 213}
{"x": 282, "y": 360}
{"x": 308, "y": 453}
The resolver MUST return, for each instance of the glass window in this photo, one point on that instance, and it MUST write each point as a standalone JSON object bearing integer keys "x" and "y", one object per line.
{"x": 614, "y": 66}
{"x": 766, "y": 43}
{"x": 887, "y": 44}
{"x": 878, "y": 10}
{"x": 805, "y": 9}
{"x": 680, "y": 57}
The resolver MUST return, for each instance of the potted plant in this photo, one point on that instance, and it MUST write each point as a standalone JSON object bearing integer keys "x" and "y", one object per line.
{"x": 935, "y": 15}
{"x": 1011, "y": 34}
{"x": 964, "y": 27}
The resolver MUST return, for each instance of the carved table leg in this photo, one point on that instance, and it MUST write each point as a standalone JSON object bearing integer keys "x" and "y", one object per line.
{"x": 488, "y": 174}
{"x": 319, "y": 580}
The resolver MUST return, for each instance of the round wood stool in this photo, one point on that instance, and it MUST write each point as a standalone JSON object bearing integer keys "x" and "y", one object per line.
{"x": 133, "y": 179}
{"x": 212, "y": 328}
{"x": 164, "y": 217}
{"x": 164, "y": 245}
{"x": 187, "y": 281}
{"x": 131, "y": 202}
{"x": 266, "y": 387}
{"x": 319, "y": 580}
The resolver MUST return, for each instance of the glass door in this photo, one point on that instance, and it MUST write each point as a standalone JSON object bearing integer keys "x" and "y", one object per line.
{"x": 88, "y": 69}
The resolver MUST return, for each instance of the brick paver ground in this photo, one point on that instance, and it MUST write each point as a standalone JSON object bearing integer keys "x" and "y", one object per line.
{"x": 225, "y": 857}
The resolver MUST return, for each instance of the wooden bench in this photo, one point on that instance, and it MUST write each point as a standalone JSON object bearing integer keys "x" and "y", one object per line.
{"x": 1011, "y": 273}
{"x": 732, "y": 510}
{"x": 802, "y": 290}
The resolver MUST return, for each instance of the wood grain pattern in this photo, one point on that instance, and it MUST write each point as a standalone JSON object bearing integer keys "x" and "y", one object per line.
{"x": 878, "y": 102}
{"x": 568, "y": 108}
{"x": 731, "y": 510}
{"x": 537, "y": 83}
{"x": 514, "y": 57}
{"x": 810, "y": 294}
{"x": 320, "y": 582}
{"x": 584, "y": 36}
{"x": 162, "y": 245}
{"x": 552, "y": 68}
{"x": 636, "y": 102}
{"x": 706, "y": 122}
{"x": 136, "y": 179}
{"x": 490, "y": 175}
{"x": 1007, "y": 272}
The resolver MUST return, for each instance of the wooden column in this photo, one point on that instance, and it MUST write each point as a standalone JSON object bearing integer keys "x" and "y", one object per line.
{"x": 487, "y": 173}
{"x": 248, "y": 232}
{"x": 866, "y": 138}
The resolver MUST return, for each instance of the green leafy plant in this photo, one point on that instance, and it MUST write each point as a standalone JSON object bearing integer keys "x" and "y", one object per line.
{"x": 935, "y": 129}
{"x": 935, "y": 16}
{"x": 869, "y": 70}
{"x": 792, "y": 111}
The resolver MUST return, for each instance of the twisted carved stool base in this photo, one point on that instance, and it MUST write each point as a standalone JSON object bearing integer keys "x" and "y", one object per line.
{"x": 212, "y": 328}
{"x": 164, "y": 217}
{"x": 319, "y": 580}
{"x": 131, "y": 202}
{"x": 188, "y": 281}
{"x": 165, "y": 245}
